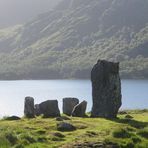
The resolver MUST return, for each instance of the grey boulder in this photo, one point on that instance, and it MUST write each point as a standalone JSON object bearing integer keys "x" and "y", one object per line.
{"x": 49, "y": 108}
{"x": 64, "y": 126}
{"x": 80, "y": 109}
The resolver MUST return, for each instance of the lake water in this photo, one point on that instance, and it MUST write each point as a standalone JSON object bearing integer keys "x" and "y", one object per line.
{"x": 12, "y": 93}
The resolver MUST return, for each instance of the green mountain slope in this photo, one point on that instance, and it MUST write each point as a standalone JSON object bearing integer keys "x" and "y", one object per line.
{"x": 67, "y": 41}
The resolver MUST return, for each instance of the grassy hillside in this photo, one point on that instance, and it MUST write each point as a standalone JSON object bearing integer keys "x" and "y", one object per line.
{"x": 67, "y": 42}
{"x": 90, "y": 132}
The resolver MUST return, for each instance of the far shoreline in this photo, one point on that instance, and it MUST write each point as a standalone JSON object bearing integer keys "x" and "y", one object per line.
{"x": 66, "y": 79}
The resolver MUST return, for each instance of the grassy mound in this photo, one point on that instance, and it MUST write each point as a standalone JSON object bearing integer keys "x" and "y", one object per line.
{"x": 90, "y": 132}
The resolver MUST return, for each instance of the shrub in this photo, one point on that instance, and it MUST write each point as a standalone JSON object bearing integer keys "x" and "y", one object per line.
{"x": 57, "y": 139}
{"x": 4, "y": 142}
{"x": 143, "y": 133}
{"x": 121, "y": 133}
{"x": 11, "y": 138}
{"x": 111, "y": 143}
{"x": 136, "y": 139}
{"x": 19, "y": 146}
{"x": 58, "y": 134}
{"x": 41, "y": 131}
{"x": 130, "y": 145}
{"x": 28, "y": 138}
{"x": 41, "y": 139}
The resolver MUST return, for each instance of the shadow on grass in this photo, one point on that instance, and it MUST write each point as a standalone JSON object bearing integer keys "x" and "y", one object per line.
{"x": 131, "y": 122}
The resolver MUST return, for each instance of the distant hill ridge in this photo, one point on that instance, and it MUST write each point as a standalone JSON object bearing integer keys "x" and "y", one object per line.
{"x": 67, "y": 41}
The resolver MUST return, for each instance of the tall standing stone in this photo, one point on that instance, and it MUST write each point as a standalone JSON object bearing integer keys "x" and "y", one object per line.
{"x": 49, "y": 108}
{"x": 106, "y": 89}
{"x": 69, "y": 104}
{"x": 29, "y": 107}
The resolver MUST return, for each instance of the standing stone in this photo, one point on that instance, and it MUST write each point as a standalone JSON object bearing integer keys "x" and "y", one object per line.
{"x": 79, "y": 109}
{"x": 29, "y": 107}
{"x": 106, "y": 89}
{"x": 50, "y": 108}
{"x": 69, "y": 104}
{"x": 37, "y": 110}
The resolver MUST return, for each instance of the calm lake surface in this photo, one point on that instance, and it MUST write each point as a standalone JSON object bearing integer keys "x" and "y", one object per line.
{"x": 12, "y": 93}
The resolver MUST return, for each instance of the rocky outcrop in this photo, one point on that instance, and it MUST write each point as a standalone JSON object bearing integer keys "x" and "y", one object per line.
{"x": 49, "y": 108}
{"x": 69, "y": 104}
{"x": 106, "y": 89}
{"x": 29, "y": 107}
{"x": 79, "y": 110}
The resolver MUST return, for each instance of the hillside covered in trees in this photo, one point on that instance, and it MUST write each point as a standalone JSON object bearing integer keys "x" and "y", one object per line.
{"x": 67, "y": 41}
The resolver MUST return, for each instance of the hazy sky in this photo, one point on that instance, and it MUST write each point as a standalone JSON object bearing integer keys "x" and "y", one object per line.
{"x": 19, "y": 11}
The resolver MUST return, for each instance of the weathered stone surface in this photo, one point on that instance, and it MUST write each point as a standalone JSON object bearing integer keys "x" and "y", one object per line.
{"x": 106, "y": 89}
{"x": 79, "y": 109}
{"x": 49, "y": 108}
{"x": 37, "y": 110}
{"x": 29, "y": 107}
{"x": 64, "y": 126}
{"x": 69, "y": 104}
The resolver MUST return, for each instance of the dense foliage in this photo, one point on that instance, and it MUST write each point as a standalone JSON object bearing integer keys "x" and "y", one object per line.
{"x": 67, "y": 41}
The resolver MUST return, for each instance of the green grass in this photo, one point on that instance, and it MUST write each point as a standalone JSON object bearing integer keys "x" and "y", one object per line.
{"x": 43, "y": 133}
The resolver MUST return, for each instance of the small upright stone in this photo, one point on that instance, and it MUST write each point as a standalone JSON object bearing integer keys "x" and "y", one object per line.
{"x": 50, "y": 108}
{"x": 37, "y": 110}
{"x": 106, "y": 89}
{"x": 69, "y": 104}
{"x": 80, "y": 109}
{"x": 29, "y": 107}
